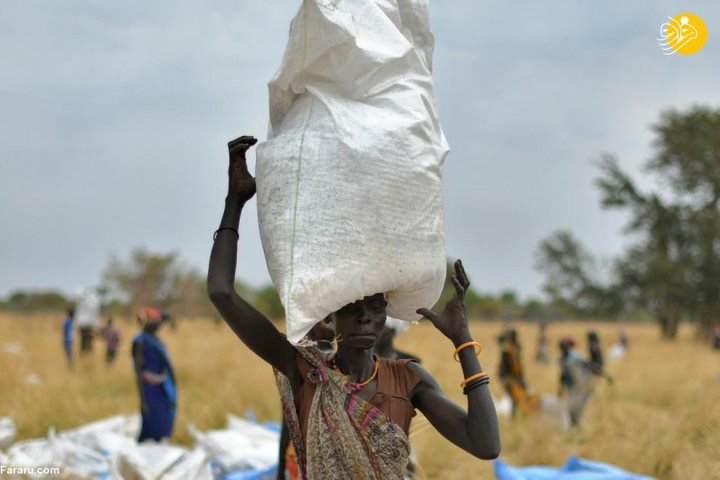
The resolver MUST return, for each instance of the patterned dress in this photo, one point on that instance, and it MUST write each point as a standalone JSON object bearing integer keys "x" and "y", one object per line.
{"x": 337, "y": 434}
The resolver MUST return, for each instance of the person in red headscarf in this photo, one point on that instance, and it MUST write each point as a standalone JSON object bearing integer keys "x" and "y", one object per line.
{"x": 155, "y": 379}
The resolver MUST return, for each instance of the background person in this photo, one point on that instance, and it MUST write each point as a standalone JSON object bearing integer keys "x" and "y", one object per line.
{"x": 111, "y": 335}
{"x": 155, "y": 379}
{"x": 575, "y": 373}
{"x": 542, "y": 354}
{"x": 597, "y": 362}
{"x": 69, "y": 336}
{"x": 511, "y": 369}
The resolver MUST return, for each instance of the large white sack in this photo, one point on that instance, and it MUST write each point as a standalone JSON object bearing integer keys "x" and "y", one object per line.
{"x": 7, "y": 431}
{"x": 237, "y": 449}
{"x": 147, "y": 461}
{"x": 76, "y": 461}
{"x": 349, "y": 181}
{"x": 259, "y": 434}
{"x": 195, "y": 465}
{"x": 87, "y": 310}
{"x": 616, "y": 352}
{"x": 107, "y": 436}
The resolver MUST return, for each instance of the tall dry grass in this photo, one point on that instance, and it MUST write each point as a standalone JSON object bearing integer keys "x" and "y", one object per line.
{"x": 661, "y": 417}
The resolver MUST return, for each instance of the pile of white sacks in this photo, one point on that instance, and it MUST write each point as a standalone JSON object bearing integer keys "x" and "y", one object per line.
{"x": 107, "y": 449}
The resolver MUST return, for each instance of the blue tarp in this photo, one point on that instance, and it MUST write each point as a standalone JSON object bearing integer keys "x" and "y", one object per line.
{"x": 574, "y": 469}
{"x": 268, "y": 474}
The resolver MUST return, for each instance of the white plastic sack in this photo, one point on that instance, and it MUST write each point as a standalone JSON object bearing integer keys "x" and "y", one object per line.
{"x": 7, "y": 431}
{"x": 76, "y": 461}
{"x": 503, "y": 406}
{"x": 238, "y": 448}
{"x": 616, "y": 352}
{"x": 87, "y": 310}
{"x": 107, "y": 436}
{"x": 147, "y": 461}
{"x": 397, "y": 325}
{"x": 195, "y": 465}
{"x": 256, "y": 432}
{"x": 349, "y": 181}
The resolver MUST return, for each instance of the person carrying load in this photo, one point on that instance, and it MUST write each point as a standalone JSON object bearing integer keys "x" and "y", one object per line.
{"x": 349, "y": 412}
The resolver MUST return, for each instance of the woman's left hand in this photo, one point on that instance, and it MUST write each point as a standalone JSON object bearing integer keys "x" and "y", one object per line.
{"x": 452, "y": 322}
{"x": 241, "y": 183}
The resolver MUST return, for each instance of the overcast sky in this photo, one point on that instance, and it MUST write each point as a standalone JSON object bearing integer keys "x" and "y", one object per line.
{"x": 114, "y": 118}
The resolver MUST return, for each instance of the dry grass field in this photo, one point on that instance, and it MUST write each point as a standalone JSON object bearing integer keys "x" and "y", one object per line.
{"x": 661, "y": 417}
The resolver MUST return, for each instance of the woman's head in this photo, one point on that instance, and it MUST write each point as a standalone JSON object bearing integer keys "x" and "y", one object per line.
{"x": 566, "y": 344}
{"x": 150, "y": 319}
{"x": 359, "y": 324}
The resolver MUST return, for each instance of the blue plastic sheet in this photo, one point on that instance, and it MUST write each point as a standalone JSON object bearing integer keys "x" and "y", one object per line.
{"x": 574, "y": 469}
{"x": 268, "y": 474}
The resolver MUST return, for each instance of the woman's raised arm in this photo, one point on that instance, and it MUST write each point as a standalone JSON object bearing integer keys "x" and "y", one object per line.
{"x": 251, "y": 326}
{"x": 474, "y": 430}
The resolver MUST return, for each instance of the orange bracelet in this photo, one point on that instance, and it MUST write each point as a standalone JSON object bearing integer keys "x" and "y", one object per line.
{"x": 478, "y": 350}
{"x": 473, "y": 377}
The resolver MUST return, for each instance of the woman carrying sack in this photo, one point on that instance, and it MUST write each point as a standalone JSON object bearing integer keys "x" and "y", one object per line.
{"x": 349, "y": 412}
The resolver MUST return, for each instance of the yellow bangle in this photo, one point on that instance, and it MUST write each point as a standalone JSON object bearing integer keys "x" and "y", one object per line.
{"x": 473, "y": 377}
{"x": 478, "y": 350}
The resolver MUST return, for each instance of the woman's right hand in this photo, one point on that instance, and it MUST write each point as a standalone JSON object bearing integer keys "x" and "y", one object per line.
{"x": 240, "y": 182}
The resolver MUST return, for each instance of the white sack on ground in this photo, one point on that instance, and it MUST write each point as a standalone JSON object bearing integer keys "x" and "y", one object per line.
{"x": 503, "y": 406}
{"x": 258, "y": 433}
{"x": 76, "y": 461}
{"x": 240, "y": 447}
{"x": 616, "y": 352}
{"x": 195, "y": 465}
{"x": 350, "y": 179}
{"x": 7, "y": 431}
{"x": 107, "y": 436}
{"x": 147, "y": 461}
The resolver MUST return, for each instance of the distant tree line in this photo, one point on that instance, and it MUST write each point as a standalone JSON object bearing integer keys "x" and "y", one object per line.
{"x": 671, "y": 270}
{"x": 146, "y": 278}
{"x": 161, "y": 279}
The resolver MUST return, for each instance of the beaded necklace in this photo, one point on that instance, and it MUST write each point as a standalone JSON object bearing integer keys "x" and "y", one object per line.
{"x": 359, "y": 386}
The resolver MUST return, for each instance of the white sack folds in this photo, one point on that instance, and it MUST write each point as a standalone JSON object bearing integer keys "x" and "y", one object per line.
{"x": 87, "y": 310}
{"x": 349, "y": 182}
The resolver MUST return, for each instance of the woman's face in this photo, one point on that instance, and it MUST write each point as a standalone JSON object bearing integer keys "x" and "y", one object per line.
{"x": 359, "y": 324}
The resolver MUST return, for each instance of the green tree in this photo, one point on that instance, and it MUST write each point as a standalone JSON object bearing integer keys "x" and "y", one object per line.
{"x": 573, "y": 278}
{"x": 675, "y": 266}
{"x": 148, "y": 278}
{"x": 655, "y": 272}
{"x": 688, "y": 159}
{"x": 36, "y": 301}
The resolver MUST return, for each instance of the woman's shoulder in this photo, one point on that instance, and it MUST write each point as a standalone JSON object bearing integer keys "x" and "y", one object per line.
{"x": 399, "y": 375}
